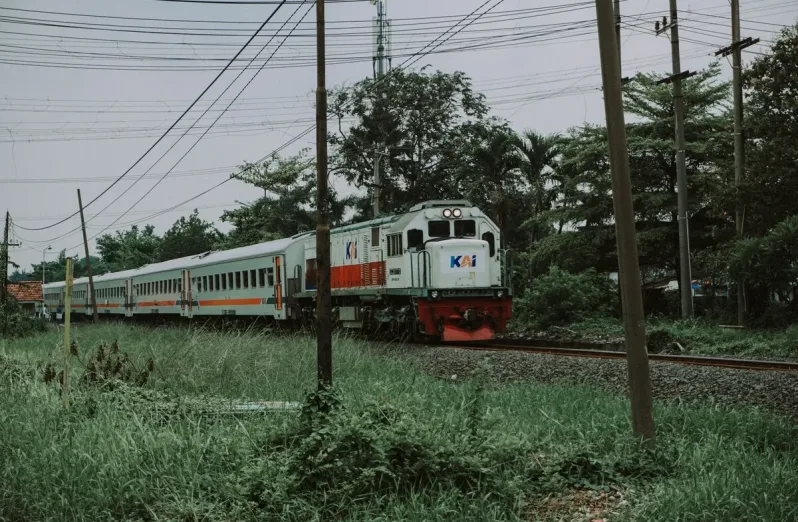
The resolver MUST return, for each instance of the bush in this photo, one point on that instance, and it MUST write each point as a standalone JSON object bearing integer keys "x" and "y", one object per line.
{"x": 16, "y": 323}
{"x": 560, "y": 298}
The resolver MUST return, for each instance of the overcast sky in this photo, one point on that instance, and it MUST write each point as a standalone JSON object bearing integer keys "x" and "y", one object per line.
{"x": 64, "y": 126}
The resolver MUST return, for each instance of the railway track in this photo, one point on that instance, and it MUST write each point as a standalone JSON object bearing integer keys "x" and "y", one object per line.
{"x": 693, "y": 360}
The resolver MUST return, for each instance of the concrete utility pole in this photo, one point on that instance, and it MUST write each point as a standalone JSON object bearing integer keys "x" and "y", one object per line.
{"x": 629, "y": 270}
{"x": 323, "y": 299}
{"x": 685, "y": 281}
{"x": 739, "y": 143}
{"x": 92, "y": 295}
{"x": 381, "y": 41}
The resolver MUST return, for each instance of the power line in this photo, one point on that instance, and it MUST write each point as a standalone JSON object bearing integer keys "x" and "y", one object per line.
{"x": 171, "y": 127}
{"x": 217, "y": 118}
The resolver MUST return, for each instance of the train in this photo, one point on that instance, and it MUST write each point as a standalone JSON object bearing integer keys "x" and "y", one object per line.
{"x": 435, "y": 272}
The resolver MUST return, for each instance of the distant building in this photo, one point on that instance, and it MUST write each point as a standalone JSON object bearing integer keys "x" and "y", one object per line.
{"x": 29, "y": 295}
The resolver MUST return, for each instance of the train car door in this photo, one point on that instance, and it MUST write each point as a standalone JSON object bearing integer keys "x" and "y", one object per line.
{"x": 130, "y": 298}
{"x": 278, "y": 284}
{"x": 186, "y": 299}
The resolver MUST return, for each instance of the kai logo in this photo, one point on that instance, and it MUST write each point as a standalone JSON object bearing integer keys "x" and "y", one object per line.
{"x": 351, "y": 250}
{"x": 463, "y": 262}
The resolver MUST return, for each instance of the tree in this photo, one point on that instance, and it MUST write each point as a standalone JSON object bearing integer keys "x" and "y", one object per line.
{"x": 540, "y": 159}
{"x": 20, "y": 275}
{"x": 490, "y": 176}
{"x": 289, "y": 206}
{"x": 188, "y": 237}
{"x": 771, "y": 126}
{"x": 425, "y": 119}
{"x": 653, "y": 170}
{"x": 129, "y": 249}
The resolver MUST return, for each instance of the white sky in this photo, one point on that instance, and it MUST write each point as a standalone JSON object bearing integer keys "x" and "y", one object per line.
{"x": 68, "y": 128}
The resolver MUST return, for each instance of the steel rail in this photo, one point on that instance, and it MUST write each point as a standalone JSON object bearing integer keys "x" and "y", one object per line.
{"x": 694, "y": 360}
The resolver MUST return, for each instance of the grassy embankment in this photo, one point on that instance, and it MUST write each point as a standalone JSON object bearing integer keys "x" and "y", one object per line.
{"x": 692, "y": 337}
{"x": 402, "y": 446}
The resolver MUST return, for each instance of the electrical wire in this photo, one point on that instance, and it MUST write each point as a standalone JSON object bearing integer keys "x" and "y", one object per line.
{"x": 170, "y": 128}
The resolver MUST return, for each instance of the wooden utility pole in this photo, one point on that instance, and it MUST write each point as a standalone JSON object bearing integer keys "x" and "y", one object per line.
{"x": 739, "y": 144}
{"x": 67, "y": 323}
{"x": 617, "y": 6}
{"x": 5, "y": 260}
{"x": 629, "y": 270}
{"x": 323, "y": 299}
{"x": 88, "y": 261}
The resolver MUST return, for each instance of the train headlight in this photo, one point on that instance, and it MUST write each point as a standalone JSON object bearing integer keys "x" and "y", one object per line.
{"x": 457, "y": 213}
{"x": 434, "y": 294}
{"x": 500, "y": 293}
{"x": 447, "y": 213}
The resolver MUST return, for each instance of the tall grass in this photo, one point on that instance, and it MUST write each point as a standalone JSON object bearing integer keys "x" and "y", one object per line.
{"x": 113, "y": 456}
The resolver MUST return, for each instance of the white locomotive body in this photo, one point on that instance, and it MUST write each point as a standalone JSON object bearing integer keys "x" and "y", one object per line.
{"x": 435, "y": 270}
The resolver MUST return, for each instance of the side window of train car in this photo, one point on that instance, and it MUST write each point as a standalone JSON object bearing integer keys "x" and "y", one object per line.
{"x": 375, "y": 237}
{"x": 253, "y": 282}
{"x": 261, "y": 277}
{"x": 489, "y": 237}
{"x": 465, "y": 228}
{"x": 270, "y": 275}
{"x": 238, "y": 280}
{"x": 395, "y": 245}
{"x": 218, "y": 286}
{"x": 224, "y": 281}
{"x": 439, "y": 229}
{"x": 230, "y": 280}
{"x": 246, "y": 278}
{"x": 415, "y": 238}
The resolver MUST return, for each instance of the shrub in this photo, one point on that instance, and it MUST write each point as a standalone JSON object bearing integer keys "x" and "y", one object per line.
{"x": 16, "y": 323}
{"x": 560, "y": 298}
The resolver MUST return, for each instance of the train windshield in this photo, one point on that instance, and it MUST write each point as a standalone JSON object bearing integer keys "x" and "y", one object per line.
{"x": 465, "y": 228}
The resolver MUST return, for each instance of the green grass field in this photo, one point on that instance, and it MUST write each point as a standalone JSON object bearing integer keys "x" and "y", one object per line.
{"x": 401, "y": 445}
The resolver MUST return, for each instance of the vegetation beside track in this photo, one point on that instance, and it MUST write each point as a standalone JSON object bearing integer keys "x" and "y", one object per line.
{"x": 692, "y": 337}
{"x": 396, "y": 444}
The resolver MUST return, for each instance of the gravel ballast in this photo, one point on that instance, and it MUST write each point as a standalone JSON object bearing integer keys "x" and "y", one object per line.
{"x": 772, "y": 390}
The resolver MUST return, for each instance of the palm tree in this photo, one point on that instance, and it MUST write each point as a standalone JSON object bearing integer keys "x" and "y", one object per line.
{"x": 540, "y": 154}
{"x": 498, "y": 165}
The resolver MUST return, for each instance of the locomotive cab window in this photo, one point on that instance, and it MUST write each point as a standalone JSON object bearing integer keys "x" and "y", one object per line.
{"x": 415, "y": 238}
{"x": 465, "y": 228}
{"x": 395, "y": 245}
{"x": 491, "y": 239}
{"x": 439, "y": 229}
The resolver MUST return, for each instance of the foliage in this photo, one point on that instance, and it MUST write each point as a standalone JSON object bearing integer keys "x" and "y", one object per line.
{"x": 188, "y": 237}
{"x": 288, "y": 206}
{"x": 125, "y": 250}
{"x": 559, "y": 298}
{"x": 770, "y": 183}
{"x": 205, "y": 465}
{"x": 426, "y": 120}
{"x": 14, "y": 322}
{"x": 769, "y": 265}
{"x": 17, "y": 276}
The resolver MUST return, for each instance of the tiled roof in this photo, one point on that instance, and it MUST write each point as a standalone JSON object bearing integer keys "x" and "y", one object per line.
{"x": 26, "y": 290}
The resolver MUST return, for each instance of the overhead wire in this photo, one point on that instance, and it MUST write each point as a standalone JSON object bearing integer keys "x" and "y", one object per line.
{"x": 232, "y": 60}
{"x": 216, "y": 120}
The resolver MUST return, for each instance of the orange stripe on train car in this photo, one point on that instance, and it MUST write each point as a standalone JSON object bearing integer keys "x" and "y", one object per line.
{"x": 232, "y": 302}
{"x": 150, "y": 304}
